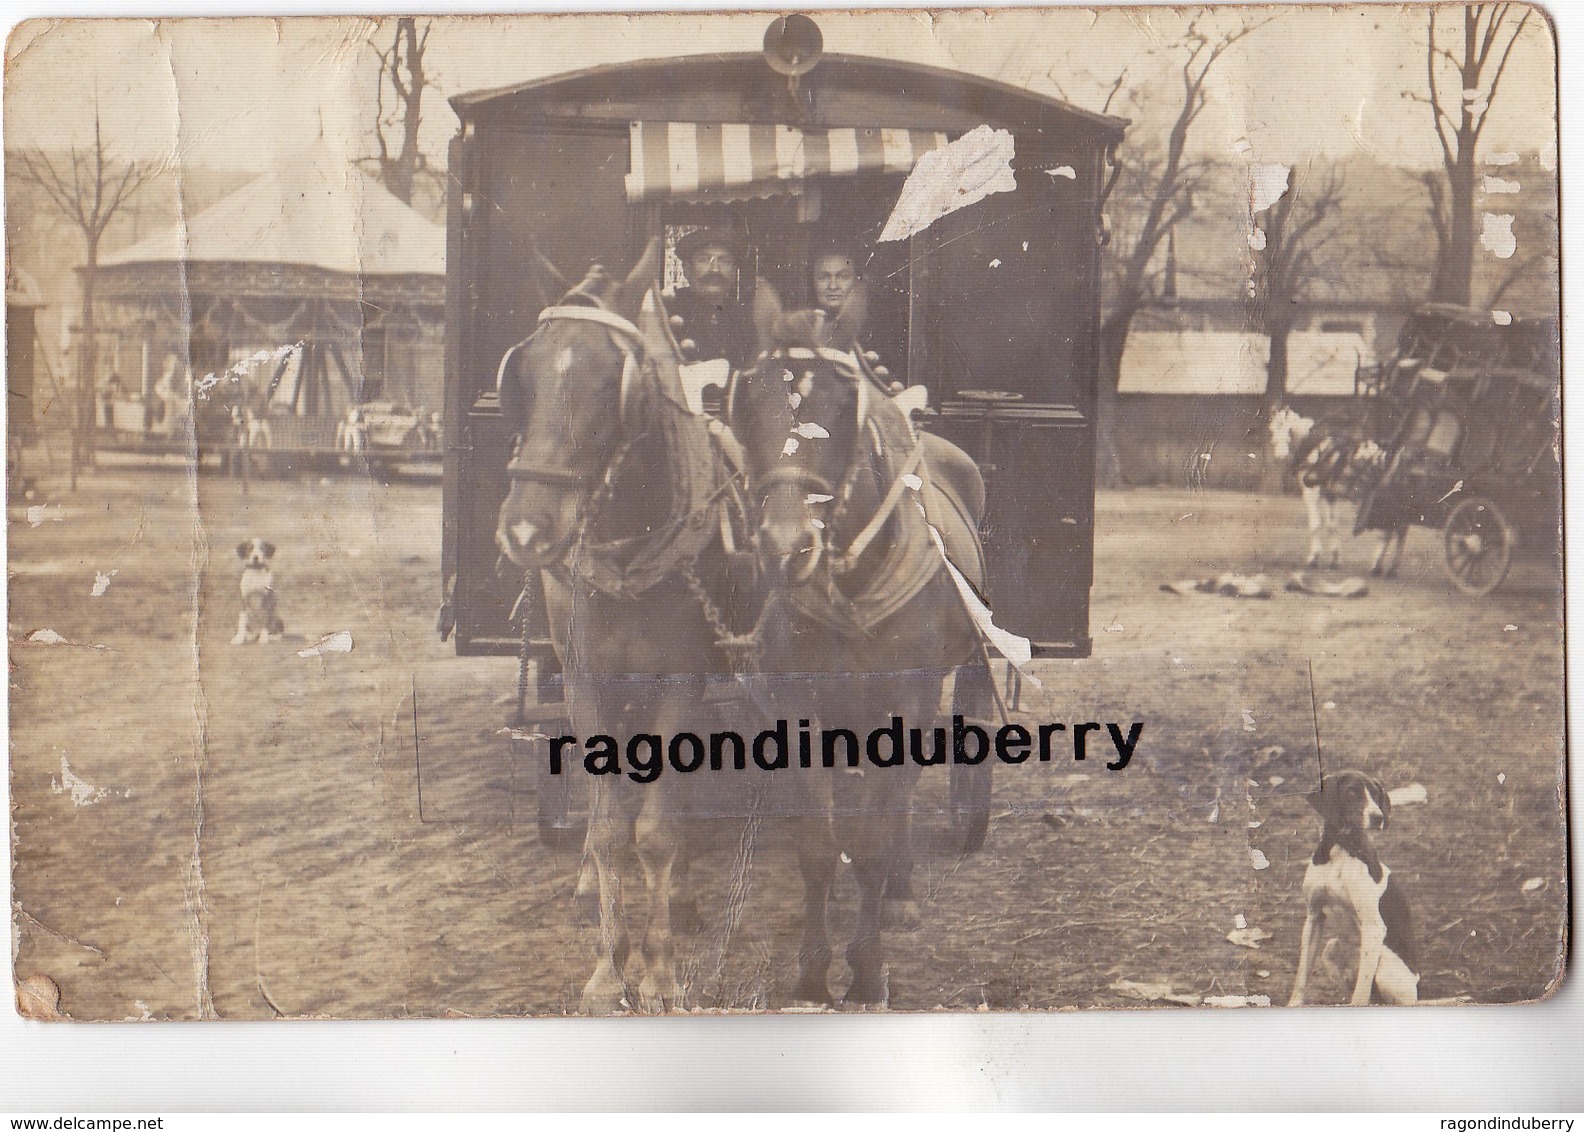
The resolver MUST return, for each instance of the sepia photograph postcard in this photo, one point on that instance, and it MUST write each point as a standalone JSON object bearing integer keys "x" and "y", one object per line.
{"x": 764, "y": 512}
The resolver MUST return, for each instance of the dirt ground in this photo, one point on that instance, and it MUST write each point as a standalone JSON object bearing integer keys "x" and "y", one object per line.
{"x": 202, "y": 830}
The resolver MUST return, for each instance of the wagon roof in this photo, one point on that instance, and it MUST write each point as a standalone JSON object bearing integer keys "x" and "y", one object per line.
{"x": 654, "y": 81}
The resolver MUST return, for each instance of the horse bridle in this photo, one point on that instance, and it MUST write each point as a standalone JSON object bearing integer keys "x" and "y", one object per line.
{"x": 803, "y": 478}
{"x": 628, "y": 339}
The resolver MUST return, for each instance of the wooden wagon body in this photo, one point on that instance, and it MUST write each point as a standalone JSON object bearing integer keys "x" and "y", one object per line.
{"x": 1001, "y": 297}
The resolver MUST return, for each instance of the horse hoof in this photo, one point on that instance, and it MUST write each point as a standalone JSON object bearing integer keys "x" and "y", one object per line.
{"x": 685, "y": 916}
{"x": 602, "y": 1003}
{"x": 812, "y": 996}
{"x": 903, "y": 914}
{"x": 662, "y": 1002}
{"x": 866, "y": 994}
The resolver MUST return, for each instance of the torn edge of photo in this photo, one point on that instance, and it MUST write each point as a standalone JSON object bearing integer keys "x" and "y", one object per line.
{"x": 877, "y": 510}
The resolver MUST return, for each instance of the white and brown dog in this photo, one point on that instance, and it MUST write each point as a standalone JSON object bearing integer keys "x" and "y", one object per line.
{"x": 1346, "y": 876}
{"x": 259, "y": 619}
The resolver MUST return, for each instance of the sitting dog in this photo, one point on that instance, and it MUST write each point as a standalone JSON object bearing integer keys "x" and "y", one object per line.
{"x": 258, "y": 620}
{"x": 1346, "y": 876}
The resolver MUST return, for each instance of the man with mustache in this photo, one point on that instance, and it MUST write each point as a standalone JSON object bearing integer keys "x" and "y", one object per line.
{"x": 709, "y": 321}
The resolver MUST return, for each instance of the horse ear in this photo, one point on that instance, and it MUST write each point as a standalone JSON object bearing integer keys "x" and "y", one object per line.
{"x": 548, "y": 281}
{"x": 848, "y": 323}
{"x": 645, "y": 274}
{"x": 766, "y": 314}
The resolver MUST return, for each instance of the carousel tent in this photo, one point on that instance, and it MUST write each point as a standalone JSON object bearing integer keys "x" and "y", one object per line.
{"x": 315, "y": 253}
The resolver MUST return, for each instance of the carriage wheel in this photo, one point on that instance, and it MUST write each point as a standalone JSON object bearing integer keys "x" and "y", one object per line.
{"x": 970, "y": 805}
{"x": 1479, "y": 544}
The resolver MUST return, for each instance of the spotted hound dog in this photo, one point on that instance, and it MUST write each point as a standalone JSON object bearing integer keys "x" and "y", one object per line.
{"x": 258, "y": 619}
{"x": 1346, "y": 876}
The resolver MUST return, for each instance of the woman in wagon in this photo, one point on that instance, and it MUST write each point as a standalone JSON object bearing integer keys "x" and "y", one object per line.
{"x": 837, "y": 278}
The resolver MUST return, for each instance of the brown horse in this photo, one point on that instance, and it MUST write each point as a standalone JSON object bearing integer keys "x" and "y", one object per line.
{"x": 616, "y": 497}
{"x": 866, "y": 597}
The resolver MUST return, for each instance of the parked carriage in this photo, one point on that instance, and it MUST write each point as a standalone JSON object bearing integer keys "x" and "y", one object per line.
{"x": 1463, "y": 421}
{"x": 994, "y": 309}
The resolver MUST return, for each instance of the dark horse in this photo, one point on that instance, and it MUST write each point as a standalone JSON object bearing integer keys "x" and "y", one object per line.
{"x": 617, "y": 497}
{"x": 868, "y": 615}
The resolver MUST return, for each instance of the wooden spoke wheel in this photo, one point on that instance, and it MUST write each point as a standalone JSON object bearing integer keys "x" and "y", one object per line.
{"x": 1479, "y": 545}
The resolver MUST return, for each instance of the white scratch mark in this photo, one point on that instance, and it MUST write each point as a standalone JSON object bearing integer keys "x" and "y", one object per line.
{"x": 335, "y": 642}
{"x": 1233, "y": 1001}
{"x": 209, "y": 380}
{"x": 1061, "y": 171}
{"x": 790, "y": 446}
{"x": 1548, "y": 156}
{"x": 1329, "y": 705}
{"x": 812, "y": 431}
{"x": 817, "y": 524}
{"x": 1025, "y": 245}
{"x": 913, "y": 481}
{"x": 40, "y": 513}
{"x": 1498, "y": 185}
{"x": 1257, "y": 239}
{"x": 1457, "y": 487}
{"x": 794, "y": 399}
{"x": 1267, "y": 185}
{"x": 102, "y": 582}
{"x": 82, "y": 793}
{"x": 815, "y": 497}
{"x": 1238, "y": 921}
{"x": 1497, "y": 235}
{"x": 995, "y": 263}
{"x": 1533, "y": 884}
{"x": 959, "y": 174}
{"x": 1509, "y": 628}
{"x": 1248, "y": 720}
{"x": 1506, "y": 158}
{"x": 1501, "y": 318}
{"x": 1501, "y": 779}
{"x": 1242, "y": 146}
{"x": 1258, "y": 860}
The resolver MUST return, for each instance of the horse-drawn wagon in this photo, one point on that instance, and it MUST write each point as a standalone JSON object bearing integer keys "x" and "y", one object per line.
{"x": 1458, "y": 432}
{"x": 990, "y": 309}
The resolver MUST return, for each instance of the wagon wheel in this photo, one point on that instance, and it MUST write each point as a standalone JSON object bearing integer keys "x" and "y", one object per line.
{"x": 970, "y": 805}
{"x": 1479, "y": 545}
{"x": 968, "y": 791}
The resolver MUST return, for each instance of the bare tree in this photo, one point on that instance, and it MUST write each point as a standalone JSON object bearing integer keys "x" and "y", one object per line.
{"x": 402, "y": 70}
{"x": 1463, "y": 82}
{"x": 1295, "y": 230}
{"x": 1156, "y": 185}
{"x": 89, "y": 187}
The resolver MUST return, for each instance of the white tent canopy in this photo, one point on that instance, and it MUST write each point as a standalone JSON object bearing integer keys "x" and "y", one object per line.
{"x": 315, "y": 211}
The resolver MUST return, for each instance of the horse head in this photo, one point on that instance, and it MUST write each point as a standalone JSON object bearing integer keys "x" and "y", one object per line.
{"x": 798, "y": 414}
{"x": 567, "y": 394}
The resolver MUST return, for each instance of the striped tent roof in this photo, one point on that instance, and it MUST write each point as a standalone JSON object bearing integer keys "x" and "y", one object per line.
{"x": 727, "y": 161}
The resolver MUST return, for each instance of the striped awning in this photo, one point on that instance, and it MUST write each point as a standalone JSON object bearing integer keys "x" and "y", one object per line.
{"x": 737, "y": 160}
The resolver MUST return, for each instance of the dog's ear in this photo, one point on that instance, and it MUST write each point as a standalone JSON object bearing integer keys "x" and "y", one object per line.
{"x": 1382, "y": 799}
{"x": 242, "y": 550}
{"x": 1318, "y": 801}
{"x": 269, "y": 549}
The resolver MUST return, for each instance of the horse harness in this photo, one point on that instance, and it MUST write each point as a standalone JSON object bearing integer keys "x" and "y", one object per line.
{"x": 710, "y": 495}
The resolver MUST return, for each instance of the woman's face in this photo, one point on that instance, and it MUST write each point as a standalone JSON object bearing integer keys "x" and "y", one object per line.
{"x": 834, "y": 276}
